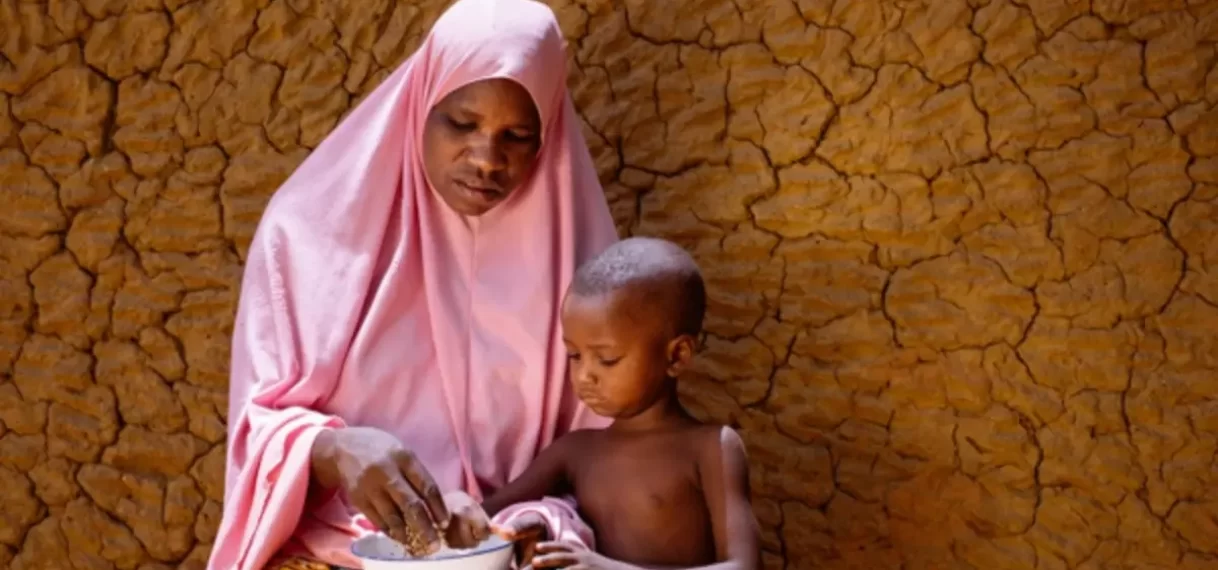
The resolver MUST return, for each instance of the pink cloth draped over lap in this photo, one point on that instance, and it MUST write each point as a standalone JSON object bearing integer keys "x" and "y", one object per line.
{"x": 367, "y": 301}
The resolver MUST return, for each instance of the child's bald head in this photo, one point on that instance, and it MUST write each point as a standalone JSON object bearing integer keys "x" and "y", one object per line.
{"x": 659, "y": 278}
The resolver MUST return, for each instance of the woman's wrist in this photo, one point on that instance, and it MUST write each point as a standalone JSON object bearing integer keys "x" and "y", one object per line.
{"x": 321, "y": 458}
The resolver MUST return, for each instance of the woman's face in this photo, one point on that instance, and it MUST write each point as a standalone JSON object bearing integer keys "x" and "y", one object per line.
{"x": 479, "y": 144}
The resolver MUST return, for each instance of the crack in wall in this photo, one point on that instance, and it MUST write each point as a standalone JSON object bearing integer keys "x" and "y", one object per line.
{"x": 960, "y": 306}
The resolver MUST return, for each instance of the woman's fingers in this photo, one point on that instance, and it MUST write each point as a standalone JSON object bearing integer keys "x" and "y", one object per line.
{"x": 370, "y": 512}
{"x": 390, "y": 487}
{"x": 469, "y": 525}
{"x": 424, "y": 486}
{"x": 475, "y": 527}
{"x": 382, "y": 511}
{"x": 457, "y": 535}
{"x": 466, "y": 532}
{"x": 471, "y": 514}
{"x": 420, "y": 536}
{"x": 481, "y": 530}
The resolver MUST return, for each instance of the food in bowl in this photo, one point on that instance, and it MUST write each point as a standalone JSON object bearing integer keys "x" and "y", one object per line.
{"x": 379, "y": 552}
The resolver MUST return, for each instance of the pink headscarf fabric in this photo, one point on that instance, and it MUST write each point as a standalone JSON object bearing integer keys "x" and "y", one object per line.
{"x": 367, "y": 301}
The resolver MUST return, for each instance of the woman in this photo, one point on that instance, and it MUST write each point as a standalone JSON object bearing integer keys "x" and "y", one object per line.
{"x": 397, "y": 331}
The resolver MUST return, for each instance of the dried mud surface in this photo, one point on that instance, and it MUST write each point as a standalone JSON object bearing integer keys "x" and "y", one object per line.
{"x": 963, "y": 258}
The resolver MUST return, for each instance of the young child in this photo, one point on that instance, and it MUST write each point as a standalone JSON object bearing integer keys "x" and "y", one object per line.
{"x": 658, "y": 488}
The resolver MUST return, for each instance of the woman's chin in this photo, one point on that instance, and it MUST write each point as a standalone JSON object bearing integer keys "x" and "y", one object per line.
{"x": 473, "y": 212}
{"x": 469, "y": 202}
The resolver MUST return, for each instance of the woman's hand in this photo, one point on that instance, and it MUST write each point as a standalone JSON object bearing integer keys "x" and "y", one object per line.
{"x": 469, "y": 525}
{"x": 385, "y": 482}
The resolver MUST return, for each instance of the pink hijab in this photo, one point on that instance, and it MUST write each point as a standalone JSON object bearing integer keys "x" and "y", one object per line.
{"x": 367, "y": 301}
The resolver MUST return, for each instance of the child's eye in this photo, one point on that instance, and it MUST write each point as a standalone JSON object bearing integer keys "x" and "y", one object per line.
{"x": 572, "y": 356}
{"x": 610, "y": 361}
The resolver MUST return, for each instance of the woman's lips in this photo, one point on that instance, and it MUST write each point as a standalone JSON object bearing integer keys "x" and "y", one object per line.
{"x": 480, "y": 194}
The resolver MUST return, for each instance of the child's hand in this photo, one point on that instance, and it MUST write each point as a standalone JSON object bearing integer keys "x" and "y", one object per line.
{"x": 574, "y": 556}
{"x": 526, "y": 531}
{"x": 469, "y": 524}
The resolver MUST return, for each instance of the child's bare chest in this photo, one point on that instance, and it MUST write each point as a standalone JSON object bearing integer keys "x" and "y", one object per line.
{"x": 645, "y": 501}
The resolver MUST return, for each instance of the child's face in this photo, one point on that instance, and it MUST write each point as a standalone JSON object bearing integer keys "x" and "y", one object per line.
{"x": 619, "y": 358}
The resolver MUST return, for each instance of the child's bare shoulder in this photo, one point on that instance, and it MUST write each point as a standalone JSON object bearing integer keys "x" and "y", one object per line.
{"x": 716, "y": 443}
{"x": 578, "y": 441}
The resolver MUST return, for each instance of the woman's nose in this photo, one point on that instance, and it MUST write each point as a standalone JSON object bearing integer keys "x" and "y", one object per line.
{"x": 486, "y": 154}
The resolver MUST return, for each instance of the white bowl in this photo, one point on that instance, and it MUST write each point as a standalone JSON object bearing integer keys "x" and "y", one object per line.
{"x": 379, "y": 552}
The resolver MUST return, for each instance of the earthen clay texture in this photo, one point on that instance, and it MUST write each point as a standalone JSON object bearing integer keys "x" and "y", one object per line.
{"x": 963, "y": 258}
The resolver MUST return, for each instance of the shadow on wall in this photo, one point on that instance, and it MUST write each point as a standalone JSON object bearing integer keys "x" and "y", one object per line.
{"x": 963, "y": 258}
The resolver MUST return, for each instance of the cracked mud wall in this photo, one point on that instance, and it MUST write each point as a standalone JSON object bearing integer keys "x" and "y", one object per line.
{"x": 963, "y": 258}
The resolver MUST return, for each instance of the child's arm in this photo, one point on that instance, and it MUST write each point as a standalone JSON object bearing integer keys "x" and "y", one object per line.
{"x": 545, "y": 476}
{"x": 737, "y": 534}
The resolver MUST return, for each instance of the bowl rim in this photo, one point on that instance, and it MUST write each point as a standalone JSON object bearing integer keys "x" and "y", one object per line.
{"x": 459, "y": 556}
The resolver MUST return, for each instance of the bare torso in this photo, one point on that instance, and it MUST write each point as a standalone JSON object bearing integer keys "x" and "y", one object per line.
{"x": 644, "y": 495}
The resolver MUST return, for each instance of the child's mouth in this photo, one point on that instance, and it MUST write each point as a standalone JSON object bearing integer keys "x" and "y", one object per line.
{"x": 593, "y": 401}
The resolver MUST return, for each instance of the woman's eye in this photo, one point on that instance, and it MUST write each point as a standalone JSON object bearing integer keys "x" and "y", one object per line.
{"x": 520, "y": 136}
{"x": 461, "y": 125}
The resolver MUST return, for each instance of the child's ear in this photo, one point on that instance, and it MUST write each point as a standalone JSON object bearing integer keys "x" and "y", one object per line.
{"x": 680, "y": 353}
